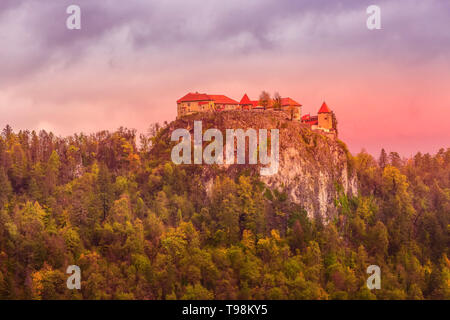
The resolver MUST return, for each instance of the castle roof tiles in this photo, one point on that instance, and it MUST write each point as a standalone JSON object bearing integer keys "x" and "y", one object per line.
{"x": 324, "y": 108}
{"x": 191, "y": 97}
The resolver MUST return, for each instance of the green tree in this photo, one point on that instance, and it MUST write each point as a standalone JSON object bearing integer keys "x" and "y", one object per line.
{"x": 106, "y": 190}
{"x": 5, "y": 188}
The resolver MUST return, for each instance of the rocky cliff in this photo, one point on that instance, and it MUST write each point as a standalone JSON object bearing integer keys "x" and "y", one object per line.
{"x": 312, "y": 167}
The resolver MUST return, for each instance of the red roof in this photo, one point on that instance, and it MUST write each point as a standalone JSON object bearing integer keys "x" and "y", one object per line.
{"x": 310, "y": 120}
{"x": 245, "y": 100}
{"x": 190, "y": 97}
{"x": 222, "y": 99}
{"x": 289, "y": 102}
{"x": 194, "y": 97}
{"x": 324, "y": 108}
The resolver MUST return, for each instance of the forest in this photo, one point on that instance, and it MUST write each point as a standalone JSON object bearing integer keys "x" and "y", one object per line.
{"x": 140, "y": 227}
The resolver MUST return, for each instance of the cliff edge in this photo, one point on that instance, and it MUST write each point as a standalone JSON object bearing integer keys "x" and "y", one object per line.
{"x": 313, "y": 168}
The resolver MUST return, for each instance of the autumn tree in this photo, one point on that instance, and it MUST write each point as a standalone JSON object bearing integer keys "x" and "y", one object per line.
{"x": 105, "y": 189}
{"x": 383, "y": 160}
{"x": 264, "y": 99}
{"x": 5, "y": 188}
{"x": 276, "y": 101}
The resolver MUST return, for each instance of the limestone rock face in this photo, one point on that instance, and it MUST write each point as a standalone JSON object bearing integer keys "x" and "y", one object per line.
{"x": 312, "y": 181}
{"x": 312, "y": 168}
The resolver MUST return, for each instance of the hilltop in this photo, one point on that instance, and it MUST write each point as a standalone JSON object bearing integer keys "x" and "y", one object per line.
{"x": 314, "y": 167}
{"x": 141, "y": 227}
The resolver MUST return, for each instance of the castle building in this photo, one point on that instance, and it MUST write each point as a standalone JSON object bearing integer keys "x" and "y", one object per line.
{"x": 287, "y": 104}
{"x": 202, "y": 102}
{"x": 323, "y": 121}
{"x": 247, "y": 104}
{"x": 325, "y": 117}
{"x": 293, "y": 107}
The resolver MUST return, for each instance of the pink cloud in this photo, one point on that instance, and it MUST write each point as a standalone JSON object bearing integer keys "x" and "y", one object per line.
{"x": 387, "y": 91}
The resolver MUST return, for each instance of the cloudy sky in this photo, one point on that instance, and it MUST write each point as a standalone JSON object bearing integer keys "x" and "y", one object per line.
{"x": 133, "y": 59}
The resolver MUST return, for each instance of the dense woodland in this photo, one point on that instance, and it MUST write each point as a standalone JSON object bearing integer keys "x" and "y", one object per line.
{"x": 141, "y": 227}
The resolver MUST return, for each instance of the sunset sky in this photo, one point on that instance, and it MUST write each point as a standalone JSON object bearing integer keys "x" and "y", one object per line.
{"x": 133, "y": 59}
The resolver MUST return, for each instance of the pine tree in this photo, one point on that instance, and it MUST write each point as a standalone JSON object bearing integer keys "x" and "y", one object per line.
{"x": 106, "y": 191}
{"x": 383, "y": 160}
{"x": 5, "y": 188}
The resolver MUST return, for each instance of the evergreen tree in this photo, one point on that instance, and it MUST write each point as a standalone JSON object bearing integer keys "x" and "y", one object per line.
{"x": 383, "y": 160}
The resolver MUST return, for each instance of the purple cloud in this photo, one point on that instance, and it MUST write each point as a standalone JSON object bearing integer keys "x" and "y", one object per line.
{"x": 415, "y": 27}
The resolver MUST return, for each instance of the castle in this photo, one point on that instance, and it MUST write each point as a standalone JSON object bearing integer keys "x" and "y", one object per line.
{"x": 323, "y": 121}
{"x": 201, "y": 102}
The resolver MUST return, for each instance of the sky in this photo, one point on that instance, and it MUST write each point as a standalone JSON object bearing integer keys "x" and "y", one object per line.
{"x": 131, "y": 61}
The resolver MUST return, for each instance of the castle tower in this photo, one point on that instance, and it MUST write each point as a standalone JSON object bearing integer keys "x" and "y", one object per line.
{"x": 325, "y": 117}
{"x": 245, "y": 103}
